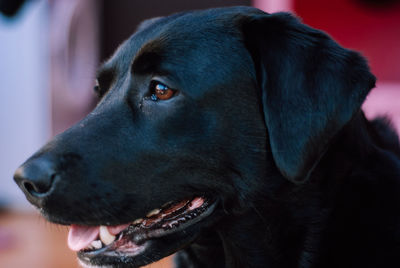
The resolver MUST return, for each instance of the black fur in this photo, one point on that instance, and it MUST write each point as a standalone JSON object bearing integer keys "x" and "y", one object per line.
{"x": 266, "y": 120}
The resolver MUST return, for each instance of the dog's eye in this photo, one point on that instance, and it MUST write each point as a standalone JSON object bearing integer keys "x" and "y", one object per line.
{"x": 161, "y": 91}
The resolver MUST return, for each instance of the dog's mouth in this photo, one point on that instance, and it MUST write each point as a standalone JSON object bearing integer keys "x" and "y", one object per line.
{"x": 145, "y": 240}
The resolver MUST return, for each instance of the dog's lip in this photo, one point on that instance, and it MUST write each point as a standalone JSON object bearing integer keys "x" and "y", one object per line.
{"x": 133, "y": 241}
{"x": 81, "y": 236}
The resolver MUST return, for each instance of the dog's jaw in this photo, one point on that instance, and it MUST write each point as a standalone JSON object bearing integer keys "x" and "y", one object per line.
{"x": 137, "y": 243}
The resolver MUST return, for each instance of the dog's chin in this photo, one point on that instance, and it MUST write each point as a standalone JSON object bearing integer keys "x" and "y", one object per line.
{"x": 160, "y": 234}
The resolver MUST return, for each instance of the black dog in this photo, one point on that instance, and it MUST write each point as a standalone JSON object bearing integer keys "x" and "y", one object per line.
{"x": 247, "y": 127}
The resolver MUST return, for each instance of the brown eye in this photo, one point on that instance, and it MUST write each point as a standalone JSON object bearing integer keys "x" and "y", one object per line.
{"x": 161, "y": 92}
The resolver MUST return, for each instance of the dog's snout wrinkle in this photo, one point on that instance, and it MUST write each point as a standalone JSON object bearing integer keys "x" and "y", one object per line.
{"x": 36, "y": 178}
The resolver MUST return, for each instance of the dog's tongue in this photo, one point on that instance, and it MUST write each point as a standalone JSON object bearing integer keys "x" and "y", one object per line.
{"x": 80, "y": 237}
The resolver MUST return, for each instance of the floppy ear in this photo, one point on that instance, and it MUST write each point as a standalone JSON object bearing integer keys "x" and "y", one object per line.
{"x": 311, "y": 87}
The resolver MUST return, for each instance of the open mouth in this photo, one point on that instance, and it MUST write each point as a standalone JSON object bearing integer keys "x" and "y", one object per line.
{"x": 160, "y": 233}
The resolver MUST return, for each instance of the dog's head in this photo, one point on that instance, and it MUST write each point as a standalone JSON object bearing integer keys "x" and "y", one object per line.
{"x": 197, "y": 111}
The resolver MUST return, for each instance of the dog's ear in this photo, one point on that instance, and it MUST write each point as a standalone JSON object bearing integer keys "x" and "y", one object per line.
{"x": 311, "y": 87}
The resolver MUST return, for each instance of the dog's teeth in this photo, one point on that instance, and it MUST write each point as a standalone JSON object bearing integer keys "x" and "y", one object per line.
{"x": 137, "y": 221}
{"x": 96, "y": 244}
{"x": 105, "y": 235}
{"x": 153, "y": 212}
{"x": 166, "y": 204}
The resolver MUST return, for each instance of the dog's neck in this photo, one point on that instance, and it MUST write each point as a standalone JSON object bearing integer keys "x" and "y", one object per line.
{"x": 241, "y": 244}
{"x": 284, "y": 232}
{"x": 250, "y": 240}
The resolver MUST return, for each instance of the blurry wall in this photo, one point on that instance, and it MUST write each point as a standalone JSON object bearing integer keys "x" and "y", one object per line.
{"x": 24, "y": 95}
{"x": 74, "y": 58}
{"x": 271, "y": 6}
{"x": 372, "y": 29}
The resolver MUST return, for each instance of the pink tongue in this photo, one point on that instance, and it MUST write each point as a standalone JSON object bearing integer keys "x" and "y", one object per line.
{"x": 80, "y": 237}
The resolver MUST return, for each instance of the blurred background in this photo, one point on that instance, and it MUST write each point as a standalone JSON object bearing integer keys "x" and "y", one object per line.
{"x": 50, "y": 49}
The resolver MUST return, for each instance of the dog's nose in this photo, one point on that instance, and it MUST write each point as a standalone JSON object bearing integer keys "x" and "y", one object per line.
{"x": 35, "y": 178}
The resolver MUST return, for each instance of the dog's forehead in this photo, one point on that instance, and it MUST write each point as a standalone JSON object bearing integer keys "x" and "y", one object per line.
{"x": 208, "y": 33}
